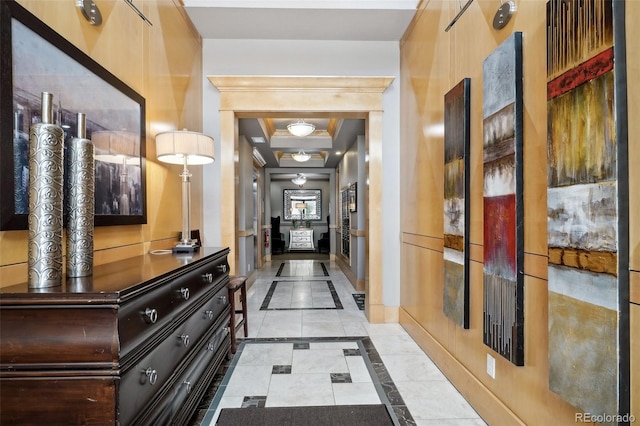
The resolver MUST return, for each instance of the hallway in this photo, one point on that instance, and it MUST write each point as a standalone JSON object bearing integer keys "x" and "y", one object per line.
{"x": 310, "y": 344}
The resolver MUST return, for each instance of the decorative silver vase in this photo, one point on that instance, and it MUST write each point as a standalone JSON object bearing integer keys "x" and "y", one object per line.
{"x": 80, "y": 203}
{"x": 45, "y": 199}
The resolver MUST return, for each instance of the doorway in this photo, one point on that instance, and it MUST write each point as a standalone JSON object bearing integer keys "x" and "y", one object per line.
{"x": 355, "y": 97}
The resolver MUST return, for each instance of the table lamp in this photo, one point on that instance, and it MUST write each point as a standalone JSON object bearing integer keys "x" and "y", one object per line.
{"x": 301, "y": 207}
{"x": 186, "y": 148}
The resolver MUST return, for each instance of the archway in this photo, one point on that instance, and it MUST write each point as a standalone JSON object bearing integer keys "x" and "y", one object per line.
{"x": 355, "y": 97}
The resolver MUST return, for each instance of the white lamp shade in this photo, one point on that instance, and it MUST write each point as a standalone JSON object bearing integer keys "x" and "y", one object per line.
{"x": 301, "y": 128}
{"x": 172, "y": 147}
{"x": 113, "y": 146}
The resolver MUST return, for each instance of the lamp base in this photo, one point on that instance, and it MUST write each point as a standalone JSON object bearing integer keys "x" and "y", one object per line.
{"x": 185, "y": 248}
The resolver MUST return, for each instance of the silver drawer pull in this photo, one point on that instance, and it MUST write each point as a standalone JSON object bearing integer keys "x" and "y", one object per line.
{"x": 150, "y": 315}
{"x": 184, "y": 293}
{"x": 222, "y": 299}
{"x": 211, "y": 347}
{"x": 208, "y": 315}
{"x": 185, "y": 339}
{"x": 188, "y": 386}
{"x": 208, "y": 277}
{"x": 222, "y": 268}
{"x": 152, "y": 375}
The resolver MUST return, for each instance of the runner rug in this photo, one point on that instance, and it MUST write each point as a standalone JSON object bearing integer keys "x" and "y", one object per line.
{"x": 330, "y": 415}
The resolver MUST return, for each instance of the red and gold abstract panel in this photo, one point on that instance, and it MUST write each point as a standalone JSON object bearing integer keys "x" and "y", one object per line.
{"x": 503, "y": 295}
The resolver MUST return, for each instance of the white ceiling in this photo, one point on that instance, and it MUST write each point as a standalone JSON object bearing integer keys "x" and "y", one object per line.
{"x": 348, "y": 20}
{"x": 373, "y": 20}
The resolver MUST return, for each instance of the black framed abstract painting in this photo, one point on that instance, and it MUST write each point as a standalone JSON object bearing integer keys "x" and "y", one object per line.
{"x": 457, "y": 127}
{"x": 587, "y": 184}
{"x": 36, "y": 59}
{"x": 503, "y": 245}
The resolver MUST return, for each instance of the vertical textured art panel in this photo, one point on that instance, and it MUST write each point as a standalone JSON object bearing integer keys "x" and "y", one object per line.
{"x": 582, "y": 205}
{"x": 457, "y": 110}
{"x": 503, "y": 271}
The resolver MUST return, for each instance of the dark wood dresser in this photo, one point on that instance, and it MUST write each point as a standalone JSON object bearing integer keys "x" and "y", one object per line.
{"x": 137, "y": 343}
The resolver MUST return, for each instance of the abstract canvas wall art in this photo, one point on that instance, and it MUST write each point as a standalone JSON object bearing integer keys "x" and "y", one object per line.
{"x": 457, "y": 110}
{"x": 582, "y": 205}
{"x": 503, "y": 271}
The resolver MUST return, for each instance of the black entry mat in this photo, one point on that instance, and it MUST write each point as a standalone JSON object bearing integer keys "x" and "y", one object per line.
{"x": 330, "y": 415}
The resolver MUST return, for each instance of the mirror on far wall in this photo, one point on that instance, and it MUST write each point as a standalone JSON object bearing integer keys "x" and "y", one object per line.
{"x": 302, "y": 204}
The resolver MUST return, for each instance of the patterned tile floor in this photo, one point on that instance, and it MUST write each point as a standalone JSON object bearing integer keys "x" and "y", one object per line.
{"x": 310, "y": 344}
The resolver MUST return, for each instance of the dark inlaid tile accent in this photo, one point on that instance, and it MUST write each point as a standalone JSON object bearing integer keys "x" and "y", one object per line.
{"x": 404, "y": 417}
{"x": 340, "y": 377}
{"x": 267, "y": 299}
{"x": 301, "y": 345}
{"x": 254, "y": 401}
{"x": 281, "y": 369}
{"x": 334, "y": 294}
{"x": 359, "y": 299}
{"x": 351, "y": 352}
{"x": 324, "y": 269}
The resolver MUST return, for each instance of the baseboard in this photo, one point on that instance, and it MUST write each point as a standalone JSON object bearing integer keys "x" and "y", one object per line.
{"x": 488, "y": 406}
{"x": 346, "y": 269}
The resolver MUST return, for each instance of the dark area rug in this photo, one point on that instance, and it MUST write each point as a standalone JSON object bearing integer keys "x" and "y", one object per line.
{"x": 330, "y": 415}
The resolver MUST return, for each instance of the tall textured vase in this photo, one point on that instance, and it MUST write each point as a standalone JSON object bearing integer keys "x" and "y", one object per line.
{"x": 45, "y": 199}
{"x": 80, "y": 203}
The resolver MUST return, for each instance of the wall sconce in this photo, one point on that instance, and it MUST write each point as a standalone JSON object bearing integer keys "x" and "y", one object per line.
{"x": 184, "y": 147}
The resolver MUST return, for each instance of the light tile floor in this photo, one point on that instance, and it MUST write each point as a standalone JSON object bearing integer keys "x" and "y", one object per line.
{"x": 309, "y": 344}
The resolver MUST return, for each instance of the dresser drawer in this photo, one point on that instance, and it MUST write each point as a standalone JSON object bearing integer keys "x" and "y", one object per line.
{"x": 304, "y": 239}
{"x": 179, "y": 399}
{"x": 59, "y": 400}
{"x": 144, "y": 316}
{"x": 300, "y": 245}
{"x": 151, "y": 373}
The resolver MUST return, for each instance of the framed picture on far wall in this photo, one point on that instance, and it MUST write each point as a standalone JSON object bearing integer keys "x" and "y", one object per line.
{"x": 35, "y": 59}
{"x": 353, "y": 197}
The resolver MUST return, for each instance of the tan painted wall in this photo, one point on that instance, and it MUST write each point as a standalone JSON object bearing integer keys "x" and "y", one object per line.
{"x": 432, "y": 62}
{"x": 163, "y": 63}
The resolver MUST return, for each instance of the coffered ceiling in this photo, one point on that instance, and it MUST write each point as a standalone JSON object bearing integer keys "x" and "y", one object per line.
{"x": 348, "y": 20}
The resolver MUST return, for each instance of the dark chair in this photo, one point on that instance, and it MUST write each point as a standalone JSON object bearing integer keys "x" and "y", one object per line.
{"x": 324, "y": 243}
{"x": 277, "y": 238}
{"x": 237, "y": 283}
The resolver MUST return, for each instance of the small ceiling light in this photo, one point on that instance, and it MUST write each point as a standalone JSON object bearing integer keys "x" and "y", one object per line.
{"x": 299, "y": 180}
{"x": 301, "y": 156}
{"x": 301, "y": 128}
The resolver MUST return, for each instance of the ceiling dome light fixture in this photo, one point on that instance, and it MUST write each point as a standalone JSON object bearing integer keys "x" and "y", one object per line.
{"x": 301, "y": 128}
{"x": 301, "y": 156}
{"x": 299, "y": 180}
